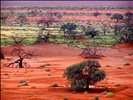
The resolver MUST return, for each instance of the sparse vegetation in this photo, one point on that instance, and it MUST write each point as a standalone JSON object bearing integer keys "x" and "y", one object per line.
{"x": 118, "y": 85}
{"x": 107, "y": 65}
{"x": 65, "y": 31}
{"x": 33, "y": 87}
{"x": 47, "y": 69}
{"x": 96, "y": 97}
{"x": 118, "y": 67}
{"x": 110, "y": 94}
{"x": 126, "y": 64}
{"x": 41, "y": 66}
{"x": 65, "y": 98}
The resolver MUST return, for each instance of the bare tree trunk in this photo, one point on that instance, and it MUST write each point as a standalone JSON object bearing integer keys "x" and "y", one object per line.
{"x": 87, "y": 86}
{"x": 21, "y": 63}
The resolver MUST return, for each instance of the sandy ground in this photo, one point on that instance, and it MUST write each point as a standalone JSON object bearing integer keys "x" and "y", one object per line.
{"x": 59, "y": 57}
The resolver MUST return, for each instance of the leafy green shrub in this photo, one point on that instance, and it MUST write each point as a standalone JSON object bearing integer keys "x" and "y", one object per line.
{"x": 96, "y": 97}
{"x": 110, "y": 94}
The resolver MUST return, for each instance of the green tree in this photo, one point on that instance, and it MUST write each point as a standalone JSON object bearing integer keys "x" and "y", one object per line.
{"x": 117, "y": 16}
{"x": 84, "y": 74}
{"x": 68, "y": 29}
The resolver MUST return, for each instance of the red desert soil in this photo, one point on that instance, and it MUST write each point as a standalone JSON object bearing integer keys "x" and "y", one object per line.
{"x": 59, "y": 57}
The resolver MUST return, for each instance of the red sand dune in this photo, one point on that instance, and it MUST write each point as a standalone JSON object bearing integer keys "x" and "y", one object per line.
{"x": 59, "y": 57}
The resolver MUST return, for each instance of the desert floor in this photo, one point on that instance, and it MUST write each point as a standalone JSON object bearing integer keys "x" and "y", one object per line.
{"x": 59, "y": 56}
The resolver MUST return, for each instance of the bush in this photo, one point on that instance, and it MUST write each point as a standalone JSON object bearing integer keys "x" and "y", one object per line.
{"x": 22, "y": 81}
{"x": 41, "y": 66}
{"x": 92, "y": 33}
{"x": 96, "y": 98}
{"x": 33, "y": 87}
{"x": 65, "y": 98}
{"x": 49, "y": 74}
{"x": 126, "y": 64}
{"x": 110, "y": 94}
{"x": 118, "y": 67}
{"x": 107, "y": 65}
{"x": 118, "y": 85}
{"x": 47, "y": 69}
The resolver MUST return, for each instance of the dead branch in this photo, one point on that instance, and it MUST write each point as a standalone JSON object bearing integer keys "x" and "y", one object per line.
{"x": 91, "y": 53}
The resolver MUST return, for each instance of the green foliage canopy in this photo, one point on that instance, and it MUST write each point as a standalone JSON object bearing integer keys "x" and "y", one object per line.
{"x": 84, "y": 74}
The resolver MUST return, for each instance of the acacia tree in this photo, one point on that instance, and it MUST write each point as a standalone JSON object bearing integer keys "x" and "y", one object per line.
{"x": 42, "y": 37}
{"x": 18, "y": 40}
{"x": 68, "y": 29}
{"x": 117, "y": 28}
{"x": 22, "y": 19}
{"x": 84, "y": 74}
{"x": 46, "y": 22}
{"x": 108, "y": 14}
{"x": 117, "y": 16}
{"x": 21, "y": 54}
{"x": 90, "y": 30}
{"x": 105, "y": 27}
{"x": 96, "y": 14}
{"x": 128, "y": 14}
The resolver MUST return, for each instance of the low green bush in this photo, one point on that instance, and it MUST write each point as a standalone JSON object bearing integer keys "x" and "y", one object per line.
{"x": 110, "y": 94}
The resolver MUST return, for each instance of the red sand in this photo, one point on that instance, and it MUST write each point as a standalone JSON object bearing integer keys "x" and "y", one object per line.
{"x": 59, "y": 57}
